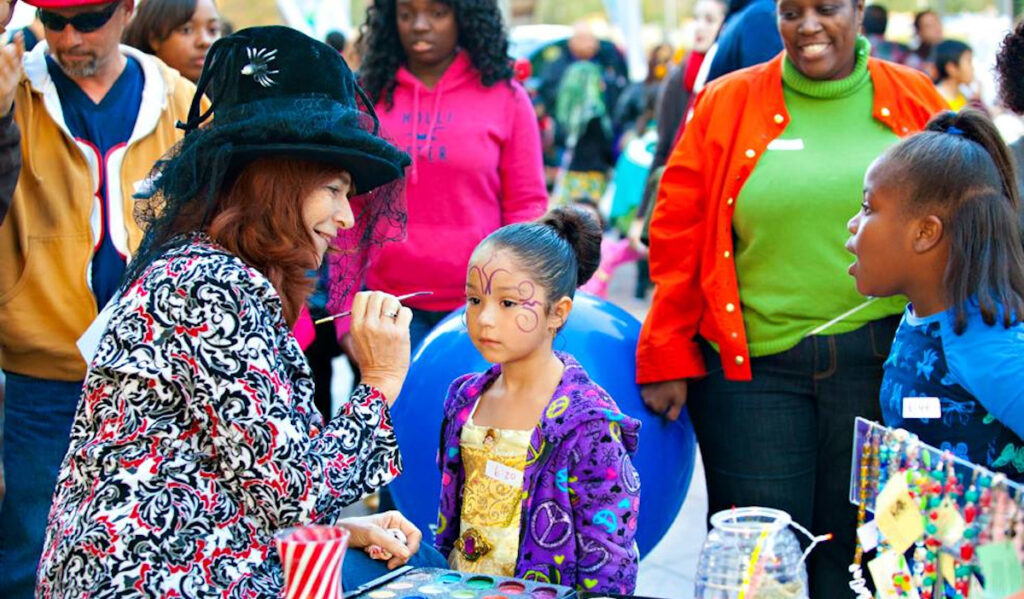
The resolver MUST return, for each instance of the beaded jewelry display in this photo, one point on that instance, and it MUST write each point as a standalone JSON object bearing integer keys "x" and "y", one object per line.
{"x": 919, "y": 484}
{"x": 868, "y": 456}
{"x": 954, "y": 489}
{"x": 985, "y": 516}
{"x": 886, "y": 455}
{"x": 965, "y": 507}
{"x": 876, "y": 467}
{"x": 932, "y": 492}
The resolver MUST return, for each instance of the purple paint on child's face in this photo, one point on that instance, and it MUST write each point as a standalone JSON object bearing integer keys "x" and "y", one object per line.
{"x": 485, "y": 275}
{"x": 504, "y": 307}
{"x": 529, "y": 318}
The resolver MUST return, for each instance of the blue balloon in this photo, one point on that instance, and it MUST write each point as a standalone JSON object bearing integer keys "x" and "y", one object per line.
{"x": 603, "y": 338}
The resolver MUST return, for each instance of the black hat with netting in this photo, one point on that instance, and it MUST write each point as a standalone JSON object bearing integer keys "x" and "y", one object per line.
{"x": 275, "y": 91}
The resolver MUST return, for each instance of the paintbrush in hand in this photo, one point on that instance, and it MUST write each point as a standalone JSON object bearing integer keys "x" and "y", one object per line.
{"x": 347, "y": 312}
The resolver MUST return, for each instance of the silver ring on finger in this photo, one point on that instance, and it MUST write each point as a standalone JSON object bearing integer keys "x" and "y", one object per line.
{"x": 392, "y": 315}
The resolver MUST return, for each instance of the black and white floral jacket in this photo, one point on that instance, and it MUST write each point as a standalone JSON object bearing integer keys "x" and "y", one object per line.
{"x": 196, "y": 439}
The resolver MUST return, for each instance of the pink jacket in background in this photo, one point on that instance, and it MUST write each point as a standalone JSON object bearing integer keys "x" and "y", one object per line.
{"x": 476, "y": 165}
{"x": 614, "y": 253}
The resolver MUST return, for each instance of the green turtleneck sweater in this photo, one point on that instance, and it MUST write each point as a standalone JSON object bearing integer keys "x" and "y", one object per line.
{"x": 791, "y": 215}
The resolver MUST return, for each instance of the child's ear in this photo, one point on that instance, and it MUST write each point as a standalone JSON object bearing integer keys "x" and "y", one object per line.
{"x": 560, "y": 313}
{"x": 929, "y": 233}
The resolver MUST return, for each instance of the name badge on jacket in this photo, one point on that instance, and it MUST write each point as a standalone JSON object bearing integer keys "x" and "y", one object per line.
{"x": 791, "y": 145}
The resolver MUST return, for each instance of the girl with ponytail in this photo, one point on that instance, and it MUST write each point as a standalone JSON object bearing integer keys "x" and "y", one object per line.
{"x": 938, "y": 224}
{"x": 537, "y": 481}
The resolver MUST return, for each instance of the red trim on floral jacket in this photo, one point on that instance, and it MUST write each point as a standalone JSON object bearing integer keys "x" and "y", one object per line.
{"x": 196, "y": 439}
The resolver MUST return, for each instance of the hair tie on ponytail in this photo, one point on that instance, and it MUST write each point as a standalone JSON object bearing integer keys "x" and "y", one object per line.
{"x": 955, "y": 131}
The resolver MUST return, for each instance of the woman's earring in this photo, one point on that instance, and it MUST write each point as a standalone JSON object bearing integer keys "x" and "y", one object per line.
{"x": 464, "y": 325}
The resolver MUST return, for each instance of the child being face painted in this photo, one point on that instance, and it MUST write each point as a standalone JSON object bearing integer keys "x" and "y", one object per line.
{"x": 509, "y": 314}
{"x": 536, "y": 401}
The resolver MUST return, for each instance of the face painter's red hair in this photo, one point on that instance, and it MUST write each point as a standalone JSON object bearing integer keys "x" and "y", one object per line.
{"x": 259, "y": 219}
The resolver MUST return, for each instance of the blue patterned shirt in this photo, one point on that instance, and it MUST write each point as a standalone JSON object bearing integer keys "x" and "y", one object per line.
{"x": 978, "y": 377}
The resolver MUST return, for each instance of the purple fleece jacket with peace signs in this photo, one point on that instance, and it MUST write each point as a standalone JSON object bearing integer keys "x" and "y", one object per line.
{"x": 581, "y": 493}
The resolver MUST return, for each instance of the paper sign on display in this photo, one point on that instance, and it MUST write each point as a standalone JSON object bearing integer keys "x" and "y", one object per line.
{"x": 868, "y": 536}
{"x": 1003, "y": 572}
{"x": 922, "y": 407}
{"x": 898, "y": 516}
{"x": 883, "y": 571}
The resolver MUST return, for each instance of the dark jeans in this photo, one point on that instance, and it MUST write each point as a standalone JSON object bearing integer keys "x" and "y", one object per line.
{"x": 37, "y": 425}
{"x": 358, "y": 569}
{"x": 785, "y": 439}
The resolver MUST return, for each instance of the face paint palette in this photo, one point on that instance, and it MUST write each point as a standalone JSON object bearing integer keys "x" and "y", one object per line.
{"x": 435, "y": 583}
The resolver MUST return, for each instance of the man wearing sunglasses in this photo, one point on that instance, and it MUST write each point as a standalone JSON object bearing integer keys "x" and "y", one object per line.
{"x": 94, "y": 116}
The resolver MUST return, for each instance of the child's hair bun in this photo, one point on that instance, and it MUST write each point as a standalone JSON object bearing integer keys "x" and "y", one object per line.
{"x": 583, "y": 233}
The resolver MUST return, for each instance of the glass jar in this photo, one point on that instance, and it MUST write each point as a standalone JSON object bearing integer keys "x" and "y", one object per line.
{"x": 751, "y": 553}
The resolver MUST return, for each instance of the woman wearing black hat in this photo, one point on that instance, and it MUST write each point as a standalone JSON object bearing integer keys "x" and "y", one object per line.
{"x": 196, "y": 438}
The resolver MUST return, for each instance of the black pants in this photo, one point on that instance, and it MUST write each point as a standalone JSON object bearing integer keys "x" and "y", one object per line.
{"x": 785, "y": 439}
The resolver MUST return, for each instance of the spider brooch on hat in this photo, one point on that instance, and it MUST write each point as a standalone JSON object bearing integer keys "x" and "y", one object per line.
{"x": 259, "y": 66}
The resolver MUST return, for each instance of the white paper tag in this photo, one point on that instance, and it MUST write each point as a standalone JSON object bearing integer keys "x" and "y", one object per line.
{"x": 884, "y": 569}
{"x": 868, "y": 536}
{"x": 89, "y": 342}
{"x": 791, "y": 145}
{"x": 922, "y": 407}
{"x": 501, "y": 472}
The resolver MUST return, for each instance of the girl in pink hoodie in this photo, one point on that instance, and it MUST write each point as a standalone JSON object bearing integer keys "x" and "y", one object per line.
{"x": 441, "y": 81}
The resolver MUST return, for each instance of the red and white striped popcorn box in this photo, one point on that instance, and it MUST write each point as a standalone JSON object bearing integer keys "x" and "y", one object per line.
{"x": 311, "y": 558}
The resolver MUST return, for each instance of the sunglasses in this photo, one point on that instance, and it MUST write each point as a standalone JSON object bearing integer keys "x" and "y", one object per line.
{"x": 85, "y": 22}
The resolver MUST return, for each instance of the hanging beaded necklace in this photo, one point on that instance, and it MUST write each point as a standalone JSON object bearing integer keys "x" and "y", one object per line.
{"x": 977, "y": 514}
{"x": 933, "y": 493}
{"x": 868, "y": 459}
{"x": 919, "y": 484}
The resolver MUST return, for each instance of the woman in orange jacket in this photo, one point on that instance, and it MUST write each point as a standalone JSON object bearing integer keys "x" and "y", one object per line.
{"x": 755, "y": 326}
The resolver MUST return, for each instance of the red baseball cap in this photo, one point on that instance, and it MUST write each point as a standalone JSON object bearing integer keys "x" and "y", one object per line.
{"x": 65, "y": 3}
